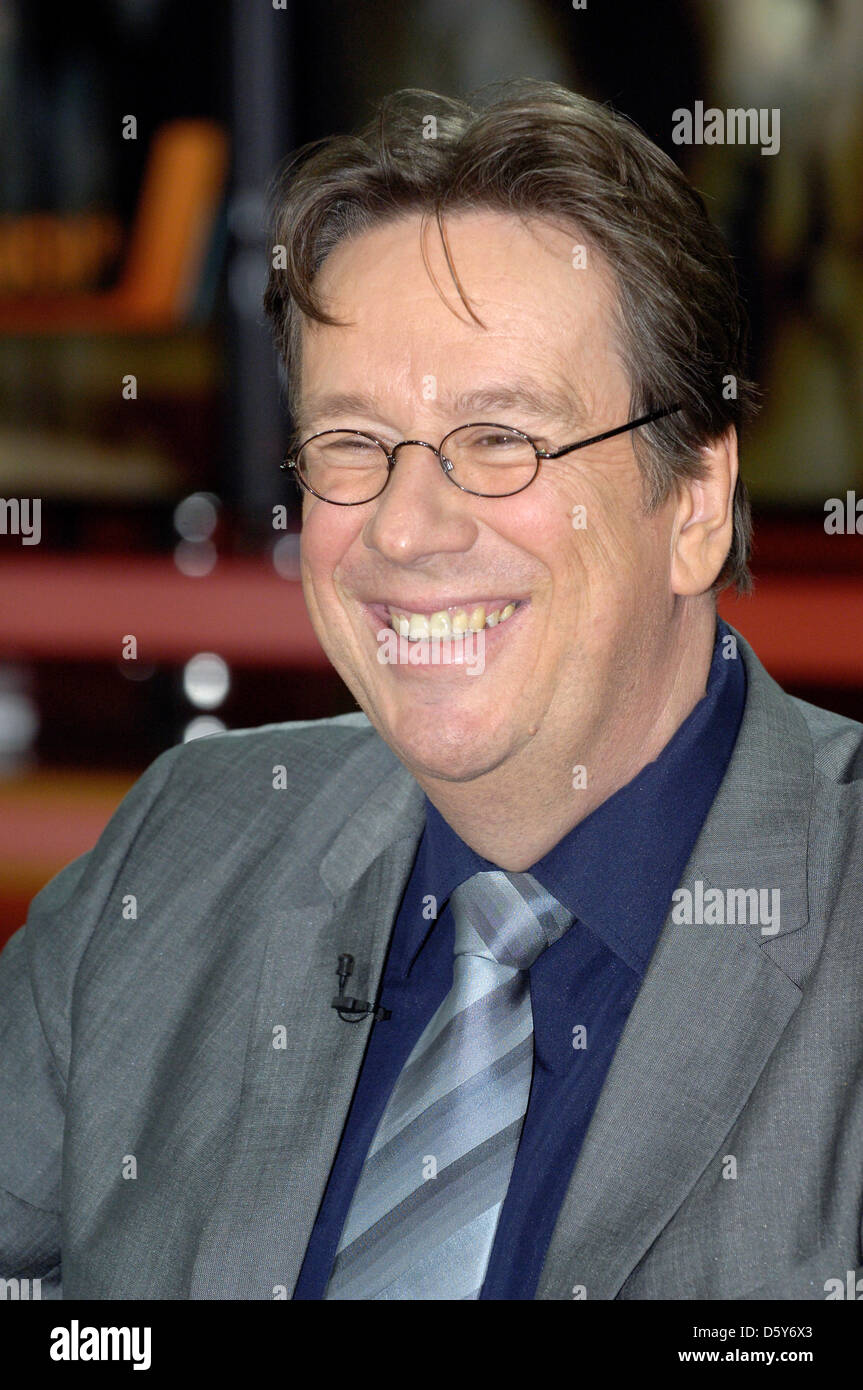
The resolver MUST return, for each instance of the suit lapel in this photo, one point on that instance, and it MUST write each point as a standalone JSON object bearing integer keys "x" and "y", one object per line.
{"x": 710, "y": 1011}
{"x": 295, "y": 1098}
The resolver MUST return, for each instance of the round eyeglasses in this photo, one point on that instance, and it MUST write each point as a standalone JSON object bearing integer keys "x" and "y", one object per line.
{"x": 350, "y": 467}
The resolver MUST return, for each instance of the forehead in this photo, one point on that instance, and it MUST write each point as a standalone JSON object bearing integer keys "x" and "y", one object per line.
{"x": 539, "y": 305}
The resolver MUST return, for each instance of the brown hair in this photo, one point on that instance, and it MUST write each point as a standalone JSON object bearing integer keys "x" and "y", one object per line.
{"x": 532, "y": 148}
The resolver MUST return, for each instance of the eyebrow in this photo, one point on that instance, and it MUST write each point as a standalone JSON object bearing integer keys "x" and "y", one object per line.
{"x": 532, "y": 398}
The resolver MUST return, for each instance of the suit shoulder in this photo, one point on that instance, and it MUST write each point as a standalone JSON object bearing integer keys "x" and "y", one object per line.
{"x": 306, "y": 737}
{"x": 306, "y": 755}
{"x": 837, "y": 743}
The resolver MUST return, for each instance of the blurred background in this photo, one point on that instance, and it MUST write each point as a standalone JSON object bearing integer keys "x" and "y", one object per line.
{"x": 139, "y": 396}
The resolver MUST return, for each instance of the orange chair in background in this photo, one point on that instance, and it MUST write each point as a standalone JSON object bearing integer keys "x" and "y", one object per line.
{"x": 181, "y": 193}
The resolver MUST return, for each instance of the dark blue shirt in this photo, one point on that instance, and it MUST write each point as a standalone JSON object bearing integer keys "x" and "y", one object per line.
{"x": 616, "y": 872}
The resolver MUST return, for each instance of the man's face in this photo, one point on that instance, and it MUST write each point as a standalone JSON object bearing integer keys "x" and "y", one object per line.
{"x": 591, "y": 599}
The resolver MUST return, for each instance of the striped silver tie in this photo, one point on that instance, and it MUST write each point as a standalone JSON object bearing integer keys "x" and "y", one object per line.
{"x": 423, "y": 1216}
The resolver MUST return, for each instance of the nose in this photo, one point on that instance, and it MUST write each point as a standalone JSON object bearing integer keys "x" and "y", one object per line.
{"x": 419, "y": 513}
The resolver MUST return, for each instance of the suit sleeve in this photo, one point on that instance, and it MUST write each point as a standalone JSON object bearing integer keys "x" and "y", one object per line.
{"x": 37, "y": 977}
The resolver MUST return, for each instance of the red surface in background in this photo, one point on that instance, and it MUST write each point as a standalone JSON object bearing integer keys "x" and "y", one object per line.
{"x": 804, "y": 627}
{"x": 56, "y": 606}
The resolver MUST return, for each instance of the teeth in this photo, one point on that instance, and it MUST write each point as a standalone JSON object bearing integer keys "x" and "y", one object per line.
{"x": 453, "y": 622}
{"x": 476, "y": 621}
{"x": 439, "y": 624}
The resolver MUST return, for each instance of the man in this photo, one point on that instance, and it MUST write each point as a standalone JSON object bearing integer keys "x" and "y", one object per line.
{"x": 590, "y": 880}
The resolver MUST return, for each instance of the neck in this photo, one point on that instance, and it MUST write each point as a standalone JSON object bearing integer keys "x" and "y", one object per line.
{"x": 516, "y": 813}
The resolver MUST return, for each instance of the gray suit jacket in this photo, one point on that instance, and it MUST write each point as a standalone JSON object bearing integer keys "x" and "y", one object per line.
{"x": 173, "y": 1081}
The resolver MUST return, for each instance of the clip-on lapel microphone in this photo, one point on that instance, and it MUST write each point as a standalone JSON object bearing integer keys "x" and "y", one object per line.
{"x": 359, "y": 1008}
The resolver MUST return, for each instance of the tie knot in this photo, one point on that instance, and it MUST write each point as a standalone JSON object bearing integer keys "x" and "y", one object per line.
{"x": 509, "y": 918}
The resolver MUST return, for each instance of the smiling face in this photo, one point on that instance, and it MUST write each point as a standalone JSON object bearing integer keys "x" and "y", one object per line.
{"x": 582, "y": 661}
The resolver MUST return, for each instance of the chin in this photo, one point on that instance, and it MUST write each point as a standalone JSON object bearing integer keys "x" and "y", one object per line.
{"x": 440, "y": 744}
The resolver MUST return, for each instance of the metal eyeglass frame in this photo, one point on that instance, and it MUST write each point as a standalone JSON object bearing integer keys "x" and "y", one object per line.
{"x": 290, "y": 463}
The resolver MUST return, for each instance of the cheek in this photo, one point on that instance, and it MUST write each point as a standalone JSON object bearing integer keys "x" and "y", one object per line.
{"x": 326, "y": 536}
{"x": 590, "y": 525}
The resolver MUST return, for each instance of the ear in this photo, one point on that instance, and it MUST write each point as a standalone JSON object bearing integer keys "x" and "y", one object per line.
{"x": 703, "y": 520}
